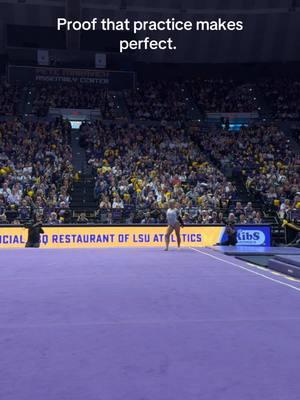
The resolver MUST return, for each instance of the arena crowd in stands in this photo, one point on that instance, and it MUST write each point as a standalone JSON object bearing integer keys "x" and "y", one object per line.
{"x": 158, "y": 101}
{"x": 162, "y": 100}
{"x": 219, "y": 95}
{"x": 9, "y": 98}
{"x": 142, "y": 167}
{"x": 36, "y": 170}
{"x": 264, "y": 156}
{"x": 153, "y": 101}
{"x": 283, "y": 96}
{"x": 139, "y": 167}
{"x": 72, "y": 96}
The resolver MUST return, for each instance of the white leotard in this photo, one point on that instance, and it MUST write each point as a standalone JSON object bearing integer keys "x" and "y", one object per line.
{"x": 172, "y": 216}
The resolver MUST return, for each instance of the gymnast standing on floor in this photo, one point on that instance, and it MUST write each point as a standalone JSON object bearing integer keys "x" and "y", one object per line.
{"x": 175, "y": 222}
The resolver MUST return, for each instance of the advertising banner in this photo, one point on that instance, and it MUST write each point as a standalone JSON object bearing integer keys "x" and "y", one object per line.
{"x": 233, "y": 117}
{"x": 114, "y": 80}
{"x": 131, "y": 236}
{"x": 76, "y": 114}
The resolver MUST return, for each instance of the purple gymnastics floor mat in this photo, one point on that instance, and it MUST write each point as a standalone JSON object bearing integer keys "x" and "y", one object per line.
{"x": 256, "y": 250}
{"x": 293, "y": 260}
{"x": 285, "y": 264}
{"x": 143, "y": 324}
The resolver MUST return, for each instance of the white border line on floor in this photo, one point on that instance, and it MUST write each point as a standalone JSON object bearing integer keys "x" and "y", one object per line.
{"x": 247, "y": 269}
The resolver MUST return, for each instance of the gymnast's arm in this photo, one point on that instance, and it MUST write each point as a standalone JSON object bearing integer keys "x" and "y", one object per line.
{"x": 180, "y": 220}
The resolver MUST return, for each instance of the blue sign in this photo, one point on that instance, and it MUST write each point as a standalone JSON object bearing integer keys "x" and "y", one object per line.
{"x": 252, "y": 235}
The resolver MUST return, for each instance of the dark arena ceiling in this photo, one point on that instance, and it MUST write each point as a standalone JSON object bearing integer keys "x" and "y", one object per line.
{"x": 271, "y": 27}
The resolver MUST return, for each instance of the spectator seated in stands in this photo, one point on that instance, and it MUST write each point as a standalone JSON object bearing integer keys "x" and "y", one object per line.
{"x": 82, "y": 219}
{"x": 52, "y": 219}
